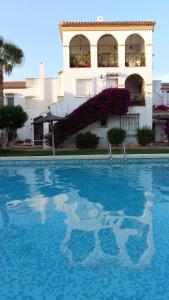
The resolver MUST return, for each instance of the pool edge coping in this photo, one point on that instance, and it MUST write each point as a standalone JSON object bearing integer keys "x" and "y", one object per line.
{"x": 82, "y": 157}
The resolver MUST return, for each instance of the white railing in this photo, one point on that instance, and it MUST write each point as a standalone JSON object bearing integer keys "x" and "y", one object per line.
{"x": 124, "y": 151}
{"x": 110, "y": 151}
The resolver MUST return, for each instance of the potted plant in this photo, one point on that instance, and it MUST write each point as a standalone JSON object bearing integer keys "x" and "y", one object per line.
{"x": 114, "y": 64}
{"x": 142, "y": 60}
{"x": 73, "y": 61}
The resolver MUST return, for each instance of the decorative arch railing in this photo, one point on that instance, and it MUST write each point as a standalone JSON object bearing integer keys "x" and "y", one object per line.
{"x": 107, "y": 51}
{"x": 135, "y": 84}
{"x": 135, "y": 51}
{"x": 79, "y": 52}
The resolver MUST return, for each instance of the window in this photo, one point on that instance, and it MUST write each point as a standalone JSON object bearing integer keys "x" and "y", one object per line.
{"x": 130, "y": 123}
{"x": 29, "y": 102}
{"x": 84, "y": 87}
{"x": 111, "y": 83}
{"x": 10, "y": 99}
{"x": 103, "y": 123}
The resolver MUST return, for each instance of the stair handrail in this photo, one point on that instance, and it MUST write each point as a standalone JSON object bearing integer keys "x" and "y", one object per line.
{"x": 124, "y": 151}
{"x": 110, "y": 150}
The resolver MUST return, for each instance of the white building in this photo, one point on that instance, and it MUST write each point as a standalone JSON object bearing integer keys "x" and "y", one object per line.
{"x": 35, "y": 95}
{"x": 96, "y": 55}
{"x": 160, "y": 109}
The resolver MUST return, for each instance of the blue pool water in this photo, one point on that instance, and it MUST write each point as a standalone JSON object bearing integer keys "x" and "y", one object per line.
{"x": 95, "y": 232}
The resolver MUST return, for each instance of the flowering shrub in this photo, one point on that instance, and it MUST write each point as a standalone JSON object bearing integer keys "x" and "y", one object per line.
{"x": 107, "y": 103}
{"x": 161, "y": 107}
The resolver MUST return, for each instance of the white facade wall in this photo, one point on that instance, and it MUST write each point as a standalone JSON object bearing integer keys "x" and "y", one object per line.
{"x": 71, "y": 101}
{"x": 158, "y": 96}
{"x": 60, "y": 93}
{"x": 39, "y": 94}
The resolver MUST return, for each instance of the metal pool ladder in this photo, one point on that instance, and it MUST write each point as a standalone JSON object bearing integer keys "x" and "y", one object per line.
{"x": 110, "y": 151}
{"x": 124, "y": 152}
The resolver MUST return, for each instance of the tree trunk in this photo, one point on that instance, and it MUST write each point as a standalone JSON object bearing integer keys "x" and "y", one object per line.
{"x": 1, "y": 88}
{"x": 3, "y": 138}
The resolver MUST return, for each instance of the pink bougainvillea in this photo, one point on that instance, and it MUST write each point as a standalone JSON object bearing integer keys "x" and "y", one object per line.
{"x": 161, "y": 107}
{"x": 107, "y": 103}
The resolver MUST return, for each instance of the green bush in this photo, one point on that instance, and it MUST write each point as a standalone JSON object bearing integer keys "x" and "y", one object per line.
{"x": 86, "y": 140}
{"x": 145, "y": 136}
{"x": 116, "y": 136}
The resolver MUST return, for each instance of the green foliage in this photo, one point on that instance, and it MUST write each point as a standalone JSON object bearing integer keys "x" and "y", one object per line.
{"x": 145, "y": 136}
{"x": 12, "y": 117}
{"x": 10, "y": 55}
{"x": 87, "y": 140}
{"x": 116, "y": 136}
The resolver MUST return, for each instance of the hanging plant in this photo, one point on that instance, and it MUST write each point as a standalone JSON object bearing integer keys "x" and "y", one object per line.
{"x": 109, "y": 102}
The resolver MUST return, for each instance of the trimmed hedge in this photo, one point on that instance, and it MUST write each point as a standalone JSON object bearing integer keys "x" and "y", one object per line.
{"x": 145, "y": 136}
{"x": 107, "y": 103}
{"x": 87, "y": 140}
{"x": 116, "y": 136}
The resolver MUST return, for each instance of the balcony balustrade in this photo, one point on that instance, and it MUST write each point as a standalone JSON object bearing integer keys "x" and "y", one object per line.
{"x": 107, "y": 60}
{"x": 137, "y": 99}
{"x": 81, "y": 60}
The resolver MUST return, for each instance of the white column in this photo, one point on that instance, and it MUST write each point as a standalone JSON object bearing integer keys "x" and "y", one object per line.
{"x": 32, "y": 130}
{"x": 121, "y": 56}
{"x": 148, "y": 55}
{"x": 42, "y": 82}
{"x": 93, "y": 56}
{"x": 45, "y": 131}
{"x": 66, "y": 59}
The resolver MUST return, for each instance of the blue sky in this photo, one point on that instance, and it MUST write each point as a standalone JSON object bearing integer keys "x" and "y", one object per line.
{"x": 33, "y": 26}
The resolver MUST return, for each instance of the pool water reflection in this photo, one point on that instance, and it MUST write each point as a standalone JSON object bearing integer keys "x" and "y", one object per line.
{"x": 77, "y": 232}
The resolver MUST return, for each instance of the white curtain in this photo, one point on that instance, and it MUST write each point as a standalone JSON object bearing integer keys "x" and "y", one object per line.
{"x": 111, "y": 83}
{"x": 84, "y": 87}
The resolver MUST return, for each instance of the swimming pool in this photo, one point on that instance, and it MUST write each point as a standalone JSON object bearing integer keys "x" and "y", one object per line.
{"x": 95, "y": 231}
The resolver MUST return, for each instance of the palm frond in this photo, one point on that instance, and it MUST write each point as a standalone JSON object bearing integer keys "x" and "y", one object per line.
{"x": 15, "y": 53}
{"x": 10, "y": 55}
{"x": 8, "y": 69}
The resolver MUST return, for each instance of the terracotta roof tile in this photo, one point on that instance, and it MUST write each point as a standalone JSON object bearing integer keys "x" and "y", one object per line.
{"x": 14, "y": 85}
{"x": 113, "y": 23}
{"x": 165, "y": 86}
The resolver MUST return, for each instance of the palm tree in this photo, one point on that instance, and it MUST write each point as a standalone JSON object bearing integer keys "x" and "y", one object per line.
{"x": 10, "y": 56}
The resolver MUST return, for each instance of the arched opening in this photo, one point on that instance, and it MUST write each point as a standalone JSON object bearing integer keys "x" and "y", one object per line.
{"x": 135, "y": 84}
{"x": 79, "y": 50}
{"x": 135, "y": 51}
{"x": 107, "y": 51}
